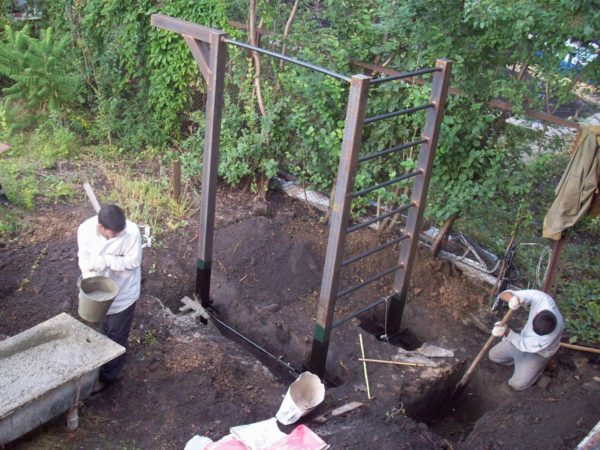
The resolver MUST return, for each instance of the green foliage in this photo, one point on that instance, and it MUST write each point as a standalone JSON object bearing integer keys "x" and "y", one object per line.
{"x": 580, "y": 299}
{"x": 39, "y": 69}
{"x": 52, "y": 143}
{"x": 27, "y": 172}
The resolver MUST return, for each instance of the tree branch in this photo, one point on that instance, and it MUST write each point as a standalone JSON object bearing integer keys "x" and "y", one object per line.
{"x": 255, "y": 57}
{"x": 288, "y": 27}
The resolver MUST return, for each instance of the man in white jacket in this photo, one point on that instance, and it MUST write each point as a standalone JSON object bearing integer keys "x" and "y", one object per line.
{"x": 531, "y": 349}
{"x": 110, "y": 245}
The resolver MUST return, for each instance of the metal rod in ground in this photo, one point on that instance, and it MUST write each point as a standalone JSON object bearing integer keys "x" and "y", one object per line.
{"x": 397, "y": 363}
{"x": 295, "y": 372}
{"x": 362, "y": 352}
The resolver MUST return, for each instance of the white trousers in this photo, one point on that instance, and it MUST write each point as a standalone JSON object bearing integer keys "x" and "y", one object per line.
{"x": 528, "y": 366}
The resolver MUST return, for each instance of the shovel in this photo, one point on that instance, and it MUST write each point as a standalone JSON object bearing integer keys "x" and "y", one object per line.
{"x": 469, "y": 373}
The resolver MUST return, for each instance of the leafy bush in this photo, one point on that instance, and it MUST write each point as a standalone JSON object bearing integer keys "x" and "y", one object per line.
{"x": 39, "y": 68}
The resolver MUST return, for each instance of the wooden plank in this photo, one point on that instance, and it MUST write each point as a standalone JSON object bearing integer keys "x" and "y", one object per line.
{"x": 496, "y": 103}
{"x": 182, "y": 27}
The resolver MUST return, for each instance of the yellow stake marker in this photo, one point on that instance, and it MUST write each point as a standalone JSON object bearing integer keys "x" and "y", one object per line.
{"x": 362, "y": 351}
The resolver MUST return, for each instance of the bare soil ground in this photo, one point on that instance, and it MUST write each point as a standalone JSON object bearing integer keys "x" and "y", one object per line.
{"x": 184, "y": 378}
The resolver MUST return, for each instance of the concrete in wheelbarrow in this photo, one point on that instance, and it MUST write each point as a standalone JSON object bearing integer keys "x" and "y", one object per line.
{"x": 46, "y": 369}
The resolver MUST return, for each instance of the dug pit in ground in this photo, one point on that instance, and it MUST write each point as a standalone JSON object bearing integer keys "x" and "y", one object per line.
{"x": 266, "y": 287}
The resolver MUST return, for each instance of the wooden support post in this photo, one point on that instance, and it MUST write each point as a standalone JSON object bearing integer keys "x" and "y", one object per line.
{"x": 210, "y": 52}
{"x": 552, "y": 265}
{"x": 338, "y": 222}
{"x": 176, "y": 180}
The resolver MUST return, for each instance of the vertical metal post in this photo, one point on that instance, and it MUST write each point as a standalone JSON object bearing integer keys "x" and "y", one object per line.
{"x": 439, "y": 90}
{"x": 353, "y": 130}
{"x": 212, "y": 138}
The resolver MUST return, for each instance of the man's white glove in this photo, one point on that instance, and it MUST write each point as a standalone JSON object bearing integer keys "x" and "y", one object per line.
{"x": 499, "y": 329}
{"x": 514, "y": 303}
{"x": 98, "y": 264}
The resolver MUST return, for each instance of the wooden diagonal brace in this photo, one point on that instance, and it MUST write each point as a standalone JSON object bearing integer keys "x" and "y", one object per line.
{"x": 201, "y": 53}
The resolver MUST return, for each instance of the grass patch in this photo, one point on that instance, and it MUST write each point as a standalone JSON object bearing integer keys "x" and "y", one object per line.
{"x": 31, "y": 172}
{"x": 146, "y": 199}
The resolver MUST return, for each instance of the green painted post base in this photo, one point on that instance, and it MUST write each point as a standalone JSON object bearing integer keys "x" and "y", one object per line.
{"x": 203, "y": 271}
{"x": 395, "y": 312}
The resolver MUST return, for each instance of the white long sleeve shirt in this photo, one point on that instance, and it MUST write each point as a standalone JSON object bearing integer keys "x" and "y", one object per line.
{"x": 528, "y": 340}
{"x": 123, "y": 255}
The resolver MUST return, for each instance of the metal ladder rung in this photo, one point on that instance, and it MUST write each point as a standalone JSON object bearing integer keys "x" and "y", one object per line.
{"x": 373, "y": 250}
{"x": 391, "y": 150}
{"x": 337, "y": 323}
{"x": 405, "y": 75}
{"x": 366, "y": 223}
{"x": 406, "y": 176}
{"x": 368, "y": 280}
{"x": 398, "y": 113}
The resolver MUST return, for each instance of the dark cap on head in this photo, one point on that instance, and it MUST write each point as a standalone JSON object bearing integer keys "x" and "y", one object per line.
{"x": 112, "y": 218}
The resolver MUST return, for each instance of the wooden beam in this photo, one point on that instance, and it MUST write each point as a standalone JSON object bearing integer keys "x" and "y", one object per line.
{"x": 496, "y": 103}
{"x": 182, "y": 27}
{"x": 200, "y": 52}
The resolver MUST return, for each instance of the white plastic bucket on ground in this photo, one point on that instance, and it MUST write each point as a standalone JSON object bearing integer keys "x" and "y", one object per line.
{"x": 96, "y": 294}
{"x": 302, "y": 397}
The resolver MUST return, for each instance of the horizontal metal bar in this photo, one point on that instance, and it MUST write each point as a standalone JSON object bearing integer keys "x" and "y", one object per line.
{"x": 414, "y": 173}
{"x": 398, "y": 113}
{"x": 368, "y": 280}
{"x": 366, "y": 223}
{"x": 391, "y": 150}
{"x": 290, "y": 60}
{"x": 255, "y": 345}
{"x": 406, "y": 75}
{"x": 337, "y": 323}
{"x": 373, "y": 250}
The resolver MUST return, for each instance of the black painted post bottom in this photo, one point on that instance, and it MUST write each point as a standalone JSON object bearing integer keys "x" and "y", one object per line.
{"x": 203, "y": 271}
{"x": 395, "y": 311}
{"x": 318, "y": 354}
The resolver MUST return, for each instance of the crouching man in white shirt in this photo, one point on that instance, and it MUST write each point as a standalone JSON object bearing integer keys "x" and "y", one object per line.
{"x": 531, "y": 349}
{"x": 110, "y": 245}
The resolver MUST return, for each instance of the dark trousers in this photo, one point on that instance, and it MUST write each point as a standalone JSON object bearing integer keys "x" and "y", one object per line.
{"x": 116, "y": 327}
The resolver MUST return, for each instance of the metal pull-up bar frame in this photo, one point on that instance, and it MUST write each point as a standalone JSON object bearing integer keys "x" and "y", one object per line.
{"x": 209, "y": 49}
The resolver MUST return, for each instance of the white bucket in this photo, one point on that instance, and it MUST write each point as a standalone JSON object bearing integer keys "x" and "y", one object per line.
{"x": 302, "y": 397}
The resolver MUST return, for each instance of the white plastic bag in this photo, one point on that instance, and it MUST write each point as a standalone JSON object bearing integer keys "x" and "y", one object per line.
{"x": 259, "y": 435}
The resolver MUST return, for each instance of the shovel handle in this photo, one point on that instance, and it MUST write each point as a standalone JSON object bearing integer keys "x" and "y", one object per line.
{"x": 467, "y": 376}
{"x": 90, "y": 193}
